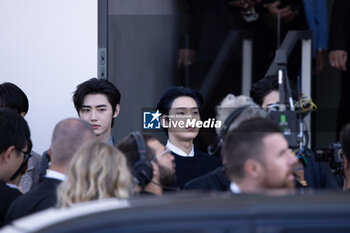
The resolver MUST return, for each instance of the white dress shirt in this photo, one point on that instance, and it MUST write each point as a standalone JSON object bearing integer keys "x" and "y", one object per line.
{"x": 178, "y": 151}
{"x": 235, "y": 188}
{"x": 55, "y": 175}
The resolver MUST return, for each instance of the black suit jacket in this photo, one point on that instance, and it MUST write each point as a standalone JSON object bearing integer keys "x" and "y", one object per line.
{"x": 212, "y": 181}
{"x": 41, "y": 197}
{"x": 8, "y": 195}
{"x": 339, "y": 37}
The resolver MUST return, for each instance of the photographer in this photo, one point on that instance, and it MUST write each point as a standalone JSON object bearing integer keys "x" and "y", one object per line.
{"x": 309, "y": 173}
{"x": 345, "y": 141}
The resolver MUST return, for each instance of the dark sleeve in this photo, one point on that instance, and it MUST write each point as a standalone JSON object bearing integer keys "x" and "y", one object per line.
{"x": 340, "y": 25}
{"x": 44, "y": 164}
{"x": 196, "y": 12}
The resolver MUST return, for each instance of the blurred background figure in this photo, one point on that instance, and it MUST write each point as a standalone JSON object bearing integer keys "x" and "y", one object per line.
{"x": 345, "y": 142}
{"x": 339, "y": 48}
{"x": 97, "y": 171}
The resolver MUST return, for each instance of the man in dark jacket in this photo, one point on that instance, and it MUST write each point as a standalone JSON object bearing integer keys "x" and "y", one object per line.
{"x": 67, "y": 137}
{"x": 15, "y": 144}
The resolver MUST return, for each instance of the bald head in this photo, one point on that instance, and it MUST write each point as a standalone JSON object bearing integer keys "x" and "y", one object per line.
{"x": 67, "y": 137}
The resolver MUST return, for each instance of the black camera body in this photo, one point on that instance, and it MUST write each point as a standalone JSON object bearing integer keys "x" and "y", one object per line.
{"x": 331, "y": 155}
{"x": 288, "y": 122}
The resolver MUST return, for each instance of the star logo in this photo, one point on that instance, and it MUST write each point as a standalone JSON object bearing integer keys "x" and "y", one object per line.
{"x": 151, "y": 120}
{"x": 156, "y": 115}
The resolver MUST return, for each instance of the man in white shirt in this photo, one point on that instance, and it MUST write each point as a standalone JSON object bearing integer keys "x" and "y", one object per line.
{"x": 258, "y": 158}
{"x": 67, "y": 137}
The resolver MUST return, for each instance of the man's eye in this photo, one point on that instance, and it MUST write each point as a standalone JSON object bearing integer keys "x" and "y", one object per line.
{"x": 85, "y": 110}
{"x": 195, "y": 112}
{"x": 180, "y": 113}
{"x": 101, "y": 109}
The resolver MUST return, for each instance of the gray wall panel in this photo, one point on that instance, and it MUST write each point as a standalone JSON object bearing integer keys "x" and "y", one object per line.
{"x": 142, "y": 53}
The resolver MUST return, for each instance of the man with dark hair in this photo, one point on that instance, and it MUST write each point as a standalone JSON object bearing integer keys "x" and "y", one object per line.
{"x": 179, "y": 104}
{"x": 345, "y": 142}
{"x": 265, "y": 92}
{"x": 97, "y": 101}
{"x": 161, "y": 160}
{"x": 257, "y": 157}
{"x": 67, "y": 137}
{"x": 12, "y": 97}
{"x": 15, "y": 145}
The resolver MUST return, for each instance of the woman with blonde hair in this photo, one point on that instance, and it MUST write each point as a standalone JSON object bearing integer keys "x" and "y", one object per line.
{"x": 97, "y": 171}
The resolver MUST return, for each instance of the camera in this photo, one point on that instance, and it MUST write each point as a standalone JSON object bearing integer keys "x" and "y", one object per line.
{"x": 331, "y": 155}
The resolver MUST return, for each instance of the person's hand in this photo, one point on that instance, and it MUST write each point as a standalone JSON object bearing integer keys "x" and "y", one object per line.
{"x": 319, "y": 63}
{"x": 286, "y": 13}
{"x": 245, "y": 4}
{"x": 338, "y": 58}
{"x": 186, "y": 58}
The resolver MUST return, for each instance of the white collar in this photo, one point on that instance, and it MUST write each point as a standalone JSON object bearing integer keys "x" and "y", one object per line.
{"x": 178, "y": 151}
{"x": 55, "y": 175}
{"x": 235, "y": 188}
{"x": 13, "y": 186}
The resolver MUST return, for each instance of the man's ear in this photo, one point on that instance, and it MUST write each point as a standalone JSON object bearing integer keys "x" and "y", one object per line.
{"x": 6, "y": 155}
{"x": 49, "y": 152}
{"x": 23, "y": 114}
{"x": 117, "y": 109}
{"x": 155, "y": 171}
{"x": 253, "y": 168}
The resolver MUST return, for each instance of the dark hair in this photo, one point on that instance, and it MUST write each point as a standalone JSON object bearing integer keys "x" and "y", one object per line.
{"x": 345, "y": 140}
{"x": 129, "y": 148}
{"x": 265, "y": 86}
{"x": 14, "y": 131}
{"x": 96, "y": 86}
{"x": 11, "y": 96}
{"x": 246, "y": 142}
{"x": 168, "y": 97}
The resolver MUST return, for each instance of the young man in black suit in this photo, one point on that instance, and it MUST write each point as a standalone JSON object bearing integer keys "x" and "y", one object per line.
{"x": 15, "y": 145}
{"x": 67, "y": 137}
{"x": 178, "y": 105}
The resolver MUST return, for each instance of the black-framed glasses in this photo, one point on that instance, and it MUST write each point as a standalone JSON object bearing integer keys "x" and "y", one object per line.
{"x": 26, "y": 157}
{"x": 166, "y": 151}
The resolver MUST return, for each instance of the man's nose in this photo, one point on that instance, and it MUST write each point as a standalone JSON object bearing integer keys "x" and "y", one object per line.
{"x": 93, "y": 115}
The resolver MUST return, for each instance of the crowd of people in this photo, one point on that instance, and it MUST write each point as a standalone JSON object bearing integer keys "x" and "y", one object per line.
{"x": 85, "y": 162}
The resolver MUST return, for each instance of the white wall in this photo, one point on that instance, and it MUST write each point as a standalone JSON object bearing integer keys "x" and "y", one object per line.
{"x": 48, "y": 47}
